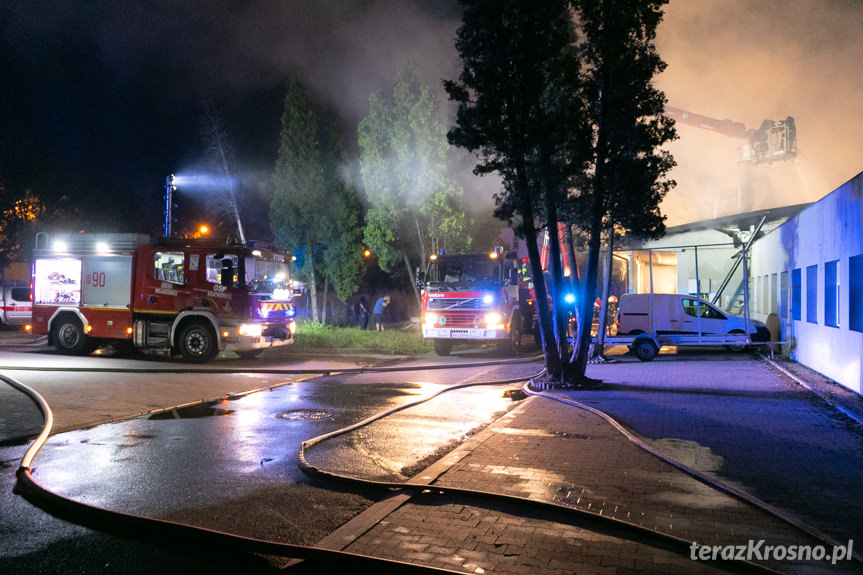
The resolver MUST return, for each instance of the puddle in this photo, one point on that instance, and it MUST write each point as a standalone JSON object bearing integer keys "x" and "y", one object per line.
{"x": 304, "y": 415}
{"x": 192, "y": 412}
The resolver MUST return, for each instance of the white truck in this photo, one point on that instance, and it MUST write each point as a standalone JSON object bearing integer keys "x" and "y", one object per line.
{"x": 16, "y": 305}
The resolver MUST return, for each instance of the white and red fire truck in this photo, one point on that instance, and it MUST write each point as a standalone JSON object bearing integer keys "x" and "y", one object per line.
{"x": 474, "y": 297}
{"x": 193, "y": 297}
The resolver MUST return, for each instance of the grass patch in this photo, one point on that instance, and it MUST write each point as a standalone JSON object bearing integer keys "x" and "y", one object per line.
{"x": 405, "y": 340}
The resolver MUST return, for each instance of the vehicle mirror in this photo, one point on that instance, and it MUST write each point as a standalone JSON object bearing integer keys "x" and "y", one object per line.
{"x": 419, "y": 279}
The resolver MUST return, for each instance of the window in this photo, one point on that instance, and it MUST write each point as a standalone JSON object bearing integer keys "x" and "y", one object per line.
{"x": 855, "y": 293}
{"x": 168, "y": 267}
{"x": 773, "y": 307}
{"x": 812, "y": 294}
{"x": 21, "y": 294}
{"x": 757, "y": 303}
{"x": 765, "y": 295}
{"x": 783, "y": 295}
{"x": 796, "y": 294}
{"x": 216, "y": 263}
{"x": 831, "y": 293}
{"x": 692, "y": 307}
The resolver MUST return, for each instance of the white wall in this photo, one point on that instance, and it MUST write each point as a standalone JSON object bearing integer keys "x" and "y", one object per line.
{"x": 828, "y": 230}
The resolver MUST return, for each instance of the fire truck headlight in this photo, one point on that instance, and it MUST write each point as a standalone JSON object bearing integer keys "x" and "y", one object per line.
{"x": 292, "y": 327}
{"x": 493, "y": 320}
{"x": 250, "y": 329}
{"x": 431, "y": 319}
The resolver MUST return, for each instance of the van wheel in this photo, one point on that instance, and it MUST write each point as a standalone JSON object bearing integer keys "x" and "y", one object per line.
{"x": 70, "y": 338}
{"x": 197, "y": 342}
{"x": 736, "y": 348}
{"x": 442, "y": 346}
{"x": 645, "y": 349}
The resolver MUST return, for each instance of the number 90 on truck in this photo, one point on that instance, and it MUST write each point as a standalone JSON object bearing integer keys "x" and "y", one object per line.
{"x": 474, "y": 297}
{"x": 191, "y": 297}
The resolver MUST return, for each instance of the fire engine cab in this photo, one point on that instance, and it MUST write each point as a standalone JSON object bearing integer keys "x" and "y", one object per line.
{"x": 473, "y": 297}
{"x": 193, "y": 297}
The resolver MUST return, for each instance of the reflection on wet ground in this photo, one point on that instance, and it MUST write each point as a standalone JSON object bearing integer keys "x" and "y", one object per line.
{"x": 192, "y": 412}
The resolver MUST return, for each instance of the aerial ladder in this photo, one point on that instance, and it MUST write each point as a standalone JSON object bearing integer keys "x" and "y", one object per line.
{"x": 773, "y": 141}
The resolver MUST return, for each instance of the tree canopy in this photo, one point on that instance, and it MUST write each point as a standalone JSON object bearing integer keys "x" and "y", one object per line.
{"x": 313, "y": 210}
{"x": 557, "y": 98}
{"x": 414, "y": 208}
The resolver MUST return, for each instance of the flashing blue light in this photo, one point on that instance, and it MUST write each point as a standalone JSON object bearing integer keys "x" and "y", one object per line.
{"x": 487, "y": 298}
{"x": 569, "y": 298}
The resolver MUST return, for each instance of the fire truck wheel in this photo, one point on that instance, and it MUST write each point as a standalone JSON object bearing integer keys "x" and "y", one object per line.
{"x": 442, "y": 346}
{"x": 513, "y": 344}
{"x": 197, "y": 342}
{"x": 69, "y": 336}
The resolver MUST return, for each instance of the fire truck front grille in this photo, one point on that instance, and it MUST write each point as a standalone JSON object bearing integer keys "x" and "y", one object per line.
{"x": 464, "y": 320}
{"x": 458, "y": 303}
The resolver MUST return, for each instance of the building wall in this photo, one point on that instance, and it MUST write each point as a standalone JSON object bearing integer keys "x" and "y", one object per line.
{"x": 807, "y": 283}
{"x": 716, "y": 256}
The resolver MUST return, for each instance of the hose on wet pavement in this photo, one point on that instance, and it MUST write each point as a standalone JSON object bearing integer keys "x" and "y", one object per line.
{"x": 636, "y": 532}
{"x": 186, "y": 538}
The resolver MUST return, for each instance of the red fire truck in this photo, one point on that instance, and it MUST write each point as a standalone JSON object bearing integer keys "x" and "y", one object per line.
{"x": 474, "y": 297}
{"x": 194, "y": 297}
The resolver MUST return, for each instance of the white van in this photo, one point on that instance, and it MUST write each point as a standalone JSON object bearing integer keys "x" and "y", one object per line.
{"x": 679, "y": 315}
{"x": 15, "y": 305}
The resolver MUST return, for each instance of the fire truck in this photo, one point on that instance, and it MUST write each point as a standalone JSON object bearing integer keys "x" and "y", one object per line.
{"x": 474, "y": 297}
{"x": 192, "y": 297}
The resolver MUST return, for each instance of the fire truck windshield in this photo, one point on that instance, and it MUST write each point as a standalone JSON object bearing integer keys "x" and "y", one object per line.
{"x": 463, "y": 271}
{"x": 268, "y": 277}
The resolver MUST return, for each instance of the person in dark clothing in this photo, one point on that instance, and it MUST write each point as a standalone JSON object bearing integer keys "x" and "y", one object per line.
{"x": 363, "y": 312}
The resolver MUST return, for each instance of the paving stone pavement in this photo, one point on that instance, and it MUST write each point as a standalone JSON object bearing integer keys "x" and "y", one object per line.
{"x": 737, "y": 420}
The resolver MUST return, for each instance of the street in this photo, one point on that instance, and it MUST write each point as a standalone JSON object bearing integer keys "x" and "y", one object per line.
{"x": 228, "y": 464}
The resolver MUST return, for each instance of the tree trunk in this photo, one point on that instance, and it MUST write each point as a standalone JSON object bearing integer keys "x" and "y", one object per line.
{"x": 324, "y": 313}
{"x": 599, "y": 346}
{"x": 411, "y": 275}
{"x": 313, "y": 289}
{"x": 546, "y": 329}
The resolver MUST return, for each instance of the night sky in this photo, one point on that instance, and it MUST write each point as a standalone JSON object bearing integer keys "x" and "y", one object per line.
{"x": 101, "y": 100}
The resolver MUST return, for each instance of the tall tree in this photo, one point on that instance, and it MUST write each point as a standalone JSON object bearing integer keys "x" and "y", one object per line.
{"x": 413, "y": 206}
{"x": 627, "y": 180}
{"x": 519, "y": 110}
{"x": 342, "y": 260}
{"x": 298, "y": 210}
{"x": 557, "y": 98}
{"x": 220, "y": 157}
{"x": 313, "y": 209}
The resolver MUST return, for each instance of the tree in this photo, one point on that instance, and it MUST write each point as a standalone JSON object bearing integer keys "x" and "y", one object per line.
{"x": 342, "y": 260}
{"x": 404, "y": 153}
{"x": 557, "y": 98}
{"x": 519, "y": 111}
{"x": 297, "y": 212}
{"x": 627, "y": 180}
{"x": 220, "y": 157}
{"x": 19, "y": 218}
{"x": 313, "y": 210}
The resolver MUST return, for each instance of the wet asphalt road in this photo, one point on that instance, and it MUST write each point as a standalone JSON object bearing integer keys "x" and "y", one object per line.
{"x": 232, "y": 465}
